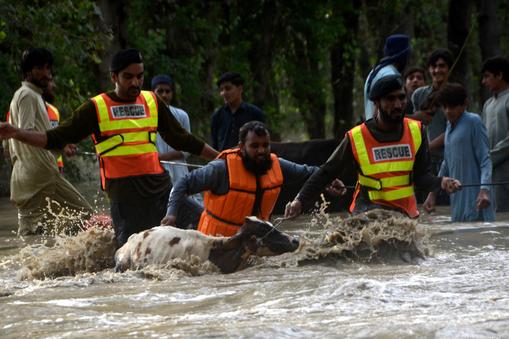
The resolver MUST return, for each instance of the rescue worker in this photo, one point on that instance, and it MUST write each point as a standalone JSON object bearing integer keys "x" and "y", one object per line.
{"x": 123, "y": 124}
{"x": 242, "y": 181}
{"x": 389, "y": 153}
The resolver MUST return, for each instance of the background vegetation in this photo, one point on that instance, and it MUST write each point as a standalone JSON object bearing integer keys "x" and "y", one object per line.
{"x": 304, "y": 61}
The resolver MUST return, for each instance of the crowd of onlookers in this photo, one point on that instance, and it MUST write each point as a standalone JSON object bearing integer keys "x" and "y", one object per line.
{"x": 473, "y": 148}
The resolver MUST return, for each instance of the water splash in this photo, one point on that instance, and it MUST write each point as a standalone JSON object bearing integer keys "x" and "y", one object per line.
{"x": 88, "y": 251}
{"x": 367, "y": 237}
{"x": 374, "y": 236}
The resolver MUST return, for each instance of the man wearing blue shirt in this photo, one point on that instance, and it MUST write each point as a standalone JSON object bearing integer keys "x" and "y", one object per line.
{"x": 466, "y": 158}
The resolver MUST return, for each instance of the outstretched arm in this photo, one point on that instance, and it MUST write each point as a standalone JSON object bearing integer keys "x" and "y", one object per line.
{"x": 208, "y": 152}
{"x": 340, "y": 161}
{"x": 33, "y": 138}
{"x": 212, "y": 177}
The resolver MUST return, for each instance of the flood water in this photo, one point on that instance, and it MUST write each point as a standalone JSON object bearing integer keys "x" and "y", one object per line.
{"x": 459, "y": 290}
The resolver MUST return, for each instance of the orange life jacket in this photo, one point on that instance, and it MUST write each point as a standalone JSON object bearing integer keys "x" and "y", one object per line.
{"x": 386, "y": 167}
{"x": 54, "y": 119}
{"x": 224, "y": 214}
{"x": 129, "y": 131}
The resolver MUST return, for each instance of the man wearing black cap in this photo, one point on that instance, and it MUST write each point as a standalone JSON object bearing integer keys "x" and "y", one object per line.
{"x": 396, "y": 52}
{"x": 389, "y": 153}
{"x": 123, "y": 124}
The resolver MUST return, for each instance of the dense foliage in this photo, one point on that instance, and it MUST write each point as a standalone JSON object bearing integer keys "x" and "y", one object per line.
{"x": 304, "y": 62}
{"x": 72, "y": 30}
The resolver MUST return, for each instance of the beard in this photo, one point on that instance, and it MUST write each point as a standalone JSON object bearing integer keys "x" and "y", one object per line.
{"x": 386, "y": 117}
{"x": 256, "y": 167}
{"x": 41, "y": 83}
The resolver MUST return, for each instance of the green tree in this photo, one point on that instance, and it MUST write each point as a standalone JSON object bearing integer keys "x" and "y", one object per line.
{"x": 72, "y": 30}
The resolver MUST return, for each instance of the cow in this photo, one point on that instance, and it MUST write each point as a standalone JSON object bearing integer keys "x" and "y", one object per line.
{"x": 160, "y": 244}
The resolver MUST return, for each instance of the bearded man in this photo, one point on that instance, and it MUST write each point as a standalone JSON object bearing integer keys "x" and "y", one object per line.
{"x": 241, "y": 182}
{"x": 389, "y": 153}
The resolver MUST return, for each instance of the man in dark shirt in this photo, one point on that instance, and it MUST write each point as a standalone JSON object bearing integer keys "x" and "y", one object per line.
{"x": 386, "y": 127}
{"x": 228, "y": 119}
{"x": 137, "y": 202}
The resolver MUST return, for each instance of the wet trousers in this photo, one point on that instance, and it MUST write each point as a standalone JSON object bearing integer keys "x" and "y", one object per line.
{"x": 58, "y": 203}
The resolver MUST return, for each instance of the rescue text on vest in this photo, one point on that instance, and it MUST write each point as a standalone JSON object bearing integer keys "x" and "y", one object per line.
{"x": 394, "y": 152}
{"x": 128, "y": 111}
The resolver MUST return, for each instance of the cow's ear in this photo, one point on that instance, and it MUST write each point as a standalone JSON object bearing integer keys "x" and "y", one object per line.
{"x": 252, "y": 244}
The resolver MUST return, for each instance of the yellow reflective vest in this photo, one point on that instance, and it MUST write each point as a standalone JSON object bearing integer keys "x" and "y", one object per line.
{"x": 386, "y": 167}
{"x": 128, "y": 135}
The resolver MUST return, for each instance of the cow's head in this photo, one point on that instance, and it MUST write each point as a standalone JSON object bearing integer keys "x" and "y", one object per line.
{"x": 262, "y": 239}
{"x": 255, "y": 237}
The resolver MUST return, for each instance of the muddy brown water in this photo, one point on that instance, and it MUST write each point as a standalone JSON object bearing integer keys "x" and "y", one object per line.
{"x": 352, "y": 279}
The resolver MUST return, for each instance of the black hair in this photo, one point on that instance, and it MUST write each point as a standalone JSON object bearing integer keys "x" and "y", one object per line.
{"x": 233, "y": 77}
{"x": 35, "y": 57}
{"x": 412, "y": 70}
{"x": 452, "y": 94}
{"x": 254, "y": 126}
{"x": 443, "y": 53}
{"x": 497, "y": 65}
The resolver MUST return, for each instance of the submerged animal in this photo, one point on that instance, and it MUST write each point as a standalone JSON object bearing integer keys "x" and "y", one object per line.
{"x": 160, "y": 244}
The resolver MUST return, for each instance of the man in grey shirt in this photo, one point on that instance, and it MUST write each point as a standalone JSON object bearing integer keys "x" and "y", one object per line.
{"x": 495, "y": 115}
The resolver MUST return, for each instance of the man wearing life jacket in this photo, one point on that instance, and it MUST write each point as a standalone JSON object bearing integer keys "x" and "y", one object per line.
{"x": 123, "y": 124}
{"x": 35, "y": 177}
{"x": 389, "y": 153}
{"x": 241, "y": 182}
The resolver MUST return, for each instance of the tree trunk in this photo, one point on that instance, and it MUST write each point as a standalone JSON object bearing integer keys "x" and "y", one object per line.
{"x": 113, "y": 17}
{"x": 489, "y": 34}
{"x": 342, "y": 73}
{"x": 457, "y": 31}
{"x": 307, "y": 89}
{"x": 261, "y": 59}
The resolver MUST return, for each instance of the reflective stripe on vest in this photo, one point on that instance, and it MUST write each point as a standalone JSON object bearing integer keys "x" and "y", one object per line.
{"x": 130, "y": 131}
{"x": 224, "y": 214}
{"x": 366, "y": 161}
{"x": 385, "y": 168}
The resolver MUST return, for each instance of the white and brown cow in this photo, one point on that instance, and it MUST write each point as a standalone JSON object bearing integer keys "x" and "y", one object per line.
{"x": 160, "y": 244}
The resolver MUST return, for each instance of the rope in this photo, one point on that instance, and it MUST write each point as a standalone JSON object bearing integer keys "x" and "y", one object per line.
{"x": 486, "y": 184}
{"x": 162, "y": 161}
